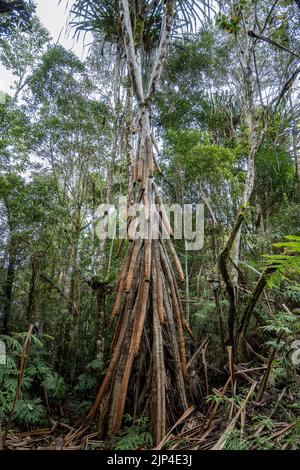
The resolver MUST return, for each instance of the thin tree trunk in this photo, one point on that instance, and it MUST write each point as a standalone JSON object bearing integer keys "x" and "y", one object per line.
{"x": 245, "y": 320}
{"x": 8, "y": 285}
{"x": 219, "y": 317}
{"x": 251, "y": 119}
{"x": 223, "y": 267}
{"x": 296, "y": 143}
{"x": 35, "y": 275}
{"x": 100, "y": 288}
{"x": 98, "y": 283}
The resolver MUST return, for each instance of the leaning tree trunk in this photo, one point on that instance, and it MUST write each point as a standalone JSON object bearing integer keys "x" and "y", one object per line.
{"x": 148, "y": 357}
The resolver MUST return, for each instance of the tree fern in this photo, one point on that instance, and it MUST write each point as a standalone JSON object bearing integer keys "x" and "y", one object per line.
{"x": 287, "y": 264}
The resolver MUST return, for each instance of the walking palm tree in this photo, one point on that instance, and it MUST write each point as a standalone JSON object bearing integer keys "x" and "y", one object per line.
{"x": 148, "y": 356}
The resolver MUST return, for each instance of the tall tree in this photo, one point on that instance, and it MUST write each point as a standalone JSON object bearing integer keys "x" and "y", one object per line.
{"x": 153, "y": 354}
{"x": 243, "y": 20}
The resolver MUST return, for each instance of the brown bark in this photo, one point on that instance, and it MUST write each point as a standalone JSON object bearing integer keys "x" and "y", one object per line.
{"x": 245, "y": 320}
{"x": 149, "y": 335}
{"x": 223, "y": 267}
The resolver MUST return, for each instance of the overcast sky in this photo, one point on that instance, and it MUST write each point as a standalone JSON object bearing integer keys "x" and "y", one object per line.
{"x": 54, "y": 17}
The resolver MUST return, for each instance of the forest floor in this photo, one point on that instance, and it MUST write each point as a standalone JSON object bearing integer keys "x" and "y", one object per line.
{"x": 230, "y": 419}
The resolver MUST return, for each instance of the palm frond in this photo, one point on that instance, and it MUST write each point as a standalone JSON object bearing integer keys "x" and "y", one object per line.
{"x": 95, "y": 16}
{"x": 101, "y": 16}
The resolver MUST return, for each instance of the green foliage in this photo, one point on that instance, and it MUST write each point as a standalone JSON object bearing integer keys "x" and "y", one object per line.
{"x": 81, "y": 407}
{"x": 30, "y": 409}
{"x": 293, "y": 437}
{"x": 55, "y": 385}
{"x": 94, "y": 445}
{"x": 95, "y": 364}
{"x": 207, "y": 312}
{"x": 135, "y": 436}
{"x": 230, "y": 24}
{"x": 86, "y": 382}
{"x": 197, "y": 156}
{"x": 101, "y": 17}
{"x": 262, "y": 420}
{"x": 30, "y": 412}
{"x": 284, "y": 323}
{"x": 57, "y": 69}
{"x": 211, "y": 161}
{"x": 22, "y": 51}
{"x": 275, "y": 174}
{"x": 16, "y": 138}
{"x": 287, "y": 264}
{"x": 16, "y": 16}
{"x": 214, "y": 399}
{"x": 263, "y": 443}
{"x": 12, "y": 342}
{"x": 236, "y": 441}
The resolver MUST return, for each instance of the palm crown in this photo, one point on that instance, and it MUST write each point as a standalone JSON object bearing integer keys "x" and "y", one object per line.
{"x": 102, "y": 17}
